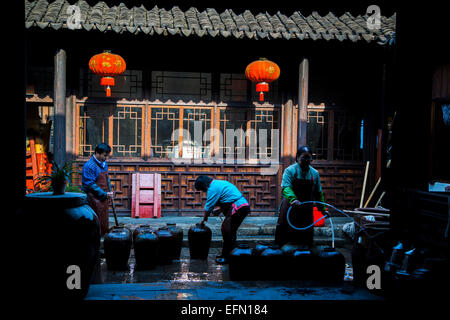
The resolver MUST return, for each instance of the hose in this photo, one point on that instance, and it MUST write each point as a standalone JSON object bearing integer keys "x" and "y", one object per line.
{"x": 331, "y": 221}
{"x": 304, "y": 228}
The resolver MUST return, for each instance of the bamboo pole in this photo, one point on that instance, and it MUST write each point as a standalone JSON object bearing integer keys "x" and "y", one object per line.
{"x": 364, "y": 184}
{"x": 379, "y": 200}
{"x": 373, "y": 192}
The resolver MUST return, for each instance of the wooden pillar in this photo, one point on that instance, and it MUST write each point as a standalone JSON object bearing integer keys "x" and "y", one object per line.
{"x": 294, "y": 126}
{"x": 70, "y": 126}
{"x": 59, "y": 100}
{"x": 287, "y": 132}
{"x": 302, "y": 101}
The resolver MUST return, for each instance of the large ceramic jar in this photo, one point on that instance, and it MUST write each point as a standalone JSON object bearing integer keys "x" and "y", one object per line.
{"x": 166, "y": 245}
{"x": 261, "y": 246}
{"x": 178, "y": 233}
{"x": 330, "y": 264}
{"x": 146, "y": 249}
{"x": 117, "y": 246}
{"x": 242, "y": 263}
{"x": 199, "y": 237}
{"x": 302, "y": 265}
{"x": 142, "y": 228}
{"x": 59, "y": 241}
{"x": 272, "y": 263}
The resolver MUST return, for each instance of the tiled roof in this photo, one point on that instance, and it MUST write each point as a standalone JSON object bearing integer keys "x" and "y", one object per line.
{"x": 192, "y": 22}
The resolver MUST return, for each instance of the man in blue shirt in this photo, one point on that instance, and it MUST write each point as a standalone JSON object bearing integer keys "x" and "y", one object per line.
{"x": 232, "y": 204}
{"x": 95, "y": 182}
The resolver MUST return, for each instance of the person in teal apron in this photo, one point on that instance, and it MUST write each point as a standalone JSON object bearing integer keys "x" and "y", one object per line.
{"x": 300, "y": 182}
{"x": 233, "y": 205}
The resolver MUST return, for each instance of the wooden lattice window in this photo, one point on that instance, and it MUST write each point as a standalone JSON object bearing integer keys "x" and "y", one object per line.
{"x": 250, "y": 132}
{"x": 264, "y": 124}
{"x": 186, "y": 86}
{"x": 333, "y": 134}
{"x": 317, "y": 133}
{"x": 346, "y": 136}
{"x": 93, "y": 127}
{"x": 40, "y": 81}
{"x": 128, "y": 85}
{"x": 163, "y": 122}
{"x": 173, "y": 132}
{"x": 127, "y": 131}
{"x": 180, "y": 132}
{"x": 234, "y": 87}
{"x": 120, "y": 126}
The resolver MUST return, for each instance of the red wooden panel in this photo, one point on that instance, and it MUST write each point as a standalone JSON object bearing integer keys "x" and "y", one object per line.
{"x": 146, "y": 180}
{"x": 146, "y": 195}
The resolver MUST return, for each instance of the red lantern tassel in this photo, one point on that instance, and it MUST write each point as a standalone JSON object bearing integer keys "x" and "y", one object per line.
{"x": 108, "y": 91}
{"x": 261, "y": 96}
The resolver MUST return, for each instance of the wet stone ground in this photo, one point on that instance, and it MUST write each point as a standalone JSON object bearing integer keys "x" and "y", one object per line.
{"x": 187, "y": 279}
{"x": 185, "y": 269}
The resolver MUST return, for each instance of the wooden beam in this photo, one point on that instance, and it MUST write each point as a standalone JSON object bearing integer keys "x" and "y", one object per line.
{"x": 287, "y": 132}
{"x": 59, "y": 96}
{"x": 379, "y": 151}
{"x": 302, "y": 101}
{"x": 294, "y": 130}
{"x": 373, "y": 192}
{"x": 379, "y": 200}
{"x": 364, "y": 184}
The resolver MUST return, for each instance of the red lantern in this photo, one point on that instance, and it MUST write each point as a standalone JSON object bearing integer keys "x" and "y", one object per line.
{"x": 262, "y": 71}
{"x": 107, "y": 65}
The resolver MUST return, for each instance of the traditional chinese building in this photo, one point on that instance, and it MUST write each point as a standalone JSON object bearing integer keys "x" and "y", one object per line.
{"x": 185, "y": 65}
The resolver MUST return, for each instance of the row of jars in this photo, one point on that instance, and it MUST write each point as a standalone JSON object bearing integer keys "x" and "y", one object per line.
{"x": 153, "y": 246}
{"x": 266, "y": 261}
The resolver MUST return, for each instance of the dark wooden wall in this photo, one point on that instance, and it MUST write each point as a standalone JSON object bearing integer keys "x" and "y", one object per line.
{"x": 341, "y": 183}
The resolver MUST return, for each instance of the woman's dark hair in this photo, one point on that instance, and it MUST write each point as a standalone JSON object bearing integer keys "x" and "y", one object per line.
{"x": 202, "y": 183}
{"x": 301, "y": 150}
{"x": 102, "y": 148}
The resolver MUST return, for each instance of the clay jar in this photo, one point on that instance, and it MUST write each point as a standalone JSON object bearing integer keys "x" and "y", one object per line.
{"x": 260, "y": 247}
{"x": 242, "y": 263}
{"x": 272, "y": 263}
{"x": 142, "y": 228}
{"x": 166, "y": 245}
{"x": 199, "y": 237}
{"x": 56, "y": 232}
{"x": 302, "y": 265}
{"x": 117, "y": 246}
{"x": 178, "y": 233}
{"x": 330, "y": 264}
{"x": 146, "y": 249}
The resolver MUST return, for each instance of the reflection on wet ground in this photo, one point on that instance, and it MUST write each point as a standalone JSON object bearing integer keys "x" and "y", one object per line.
{"x": 185, "y": 269}
{"x": 187, "y": 279}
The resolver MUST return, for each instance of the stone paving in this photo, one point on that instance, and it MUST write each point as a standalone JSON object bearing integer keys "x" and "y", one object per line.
{"x": 191, "y": 279}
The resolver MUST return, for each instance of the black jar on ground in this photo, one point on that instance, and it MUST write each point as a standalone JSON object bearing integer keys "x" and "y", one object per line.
{"x": 261, "y": 246}
{"x": 117, "y": 246}
{"x": 57, "y": 232}
{"x": 330, "y": 264}
{"x": 166, "y": 245}
{"x": 146, "y": 249}
{"x": 178, "y": 233}
{"x": 142, "y": 228}
{"x": 242, "y": 264}
{"x": 272, "y": 263}
{"x": 199, "y": 237}
{"x": 302, "y": 265}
